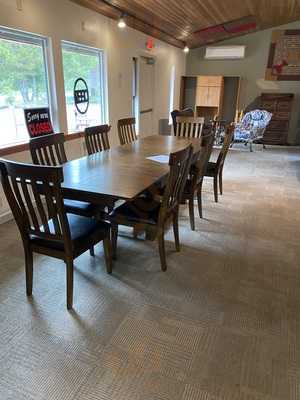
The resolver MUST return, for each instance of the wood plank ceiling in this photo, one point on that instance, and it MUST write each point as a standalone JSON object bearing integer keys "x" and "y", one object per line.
{"x": 179, "y": 21}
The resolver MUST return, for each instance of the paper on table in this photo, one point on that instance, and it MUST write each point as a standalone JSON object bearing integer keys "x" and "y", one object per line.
{"x": 161, "y": 158}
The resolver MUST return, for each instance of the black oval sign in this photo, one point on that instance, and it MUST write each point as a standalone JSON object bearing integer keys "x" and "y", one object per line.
{"x": 81, "y": 96}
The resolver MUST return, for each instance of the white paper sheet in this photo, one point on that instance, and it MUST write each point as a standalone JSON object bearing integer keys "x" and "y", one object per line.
{"x": 160, "y": 158}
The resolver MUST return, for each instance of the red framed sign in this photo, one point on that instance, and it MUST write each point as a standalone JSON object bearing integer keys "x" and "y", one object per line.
{"x": 38, "y": 121}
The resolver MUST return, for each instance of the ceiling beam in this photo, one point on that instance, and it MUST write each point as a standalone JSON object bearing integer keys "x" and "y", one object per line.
{"x": 104, "y": 7}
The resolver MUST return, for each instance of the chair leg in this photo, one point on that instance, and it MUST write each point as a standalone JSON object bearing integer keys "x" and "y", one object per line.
{"x": 114, "y": 239}
{"x": 251, "y": 147}
{"x": 191, "y": 212}
{"x": 176, "y": 231}
{"x": 199, "y": 198}
{"x": 162, "y": 251}
{"x": 221, "y": 181}
{"x": 108, "y": 255}
{"x": 216, "y": 187}
{"x": 92, "y": 251}
{"x": 70, "y": 274}
{"x": 29, "y": 271}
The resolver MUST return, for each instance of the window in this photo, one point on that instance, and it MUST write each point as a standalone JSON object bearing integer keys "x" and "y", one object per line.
{"x": 172, "y": 93}
{"x": 135, "y": 97}
{"x": 84, "y": 81}
{"x": 23, "y": 82}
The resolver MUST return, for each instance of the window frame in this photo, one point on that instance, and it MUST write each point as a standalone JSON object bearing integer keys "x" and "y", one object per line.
{"x": 172, "y": 92}
{"x": 90, "y": 50}
{"x": 21, "y": 37}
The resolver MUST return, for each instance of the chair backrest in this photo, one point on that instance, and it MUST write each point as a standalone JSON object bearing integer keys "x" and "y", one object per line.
{"x": 35, "y": 198}
{"x": 226, "y": 144}
{"x": 189, "y": 127}
{"x": 48, "y": 149}
{"x": 126, "y": 130}
{"x": 186, "y": 112}
{"x": 258, "y": 119}
{"x": 179, "y": 163}
{"x": 96, "y": 138}
{"x": 198, "y": 169}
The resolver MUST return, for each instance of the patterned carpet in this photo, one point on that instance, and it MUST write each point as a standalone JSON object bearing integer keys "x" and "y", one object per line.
{"x": 221, "y": 324}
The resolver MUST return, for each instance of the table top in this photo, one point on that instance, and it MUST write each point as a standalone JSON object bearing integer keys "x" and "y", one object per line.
{"x": 123, "y": 171}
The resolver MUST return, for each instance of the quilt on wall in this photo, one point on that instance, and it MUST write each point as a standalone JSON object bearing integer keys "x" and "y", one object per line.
{"x": 284, "y": 56}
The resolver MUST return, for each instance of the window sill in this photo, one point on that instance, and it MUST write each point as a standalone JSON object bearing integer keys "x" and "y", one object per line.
{"x": 18, "y": 148}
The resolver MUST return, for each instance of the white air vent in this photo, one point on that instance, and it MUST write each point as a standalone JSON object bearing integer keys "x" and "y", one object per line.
{"x": 224, "y": 52}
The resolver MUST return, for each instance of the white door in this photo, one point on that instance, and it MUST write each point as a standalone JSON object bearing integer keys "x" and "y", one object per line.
{"x": 146, "y": 96}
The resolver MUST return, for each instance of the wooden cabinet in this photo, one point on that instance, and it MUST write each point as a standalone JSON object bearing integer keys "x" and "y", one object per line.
{"x": 209, "y": 94}
{"x": 280, "y": 105}
{"x": 209, "y": 80}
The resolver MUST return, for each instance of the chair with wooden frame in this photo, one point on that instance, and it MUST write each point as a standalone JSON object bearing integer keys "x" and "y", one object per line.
{"x": 35, "y": 198}
{"x": 126, "y": 130}
{"x": 49, "y": 150}
{"x": 152, "y": 215}
{"x": 196, "y": 174}
{"x": 215, "y": 169}
{"x": 189, "y": 127}
{"x": 96, "y": 138}
{"x": 187, "y": 112}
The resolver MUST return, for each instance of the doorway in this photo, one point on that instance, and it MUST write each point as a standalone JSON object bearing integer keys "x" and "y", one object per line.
{"x": 146, "y": 95}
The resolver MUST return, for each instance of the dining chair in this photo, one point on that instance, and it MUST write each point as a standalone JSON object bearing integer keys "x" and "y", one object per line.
{"x": 196, "y": 174}
{"x": 96, "y": 138}
{"x": 126, "y": 130}
{"x": 215, "y": 169}
{"x": 49, "y": 150}
{"x": 186, "y": 112}
{"x": 35, "y": 198}
{"x": 151, "y": 214}
{"x": 189, "y": 127}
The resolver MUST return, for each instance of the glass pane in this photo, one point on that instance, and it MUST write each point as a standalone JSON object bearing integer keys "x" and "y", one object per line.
{"x": 23, "y": 84}
{"x": 79, "y": 63}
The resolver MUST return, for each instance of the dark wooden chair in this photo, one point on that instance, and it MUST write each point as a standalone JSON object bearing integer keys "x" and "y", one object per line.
{"x": 189, "y": 127}
{"x": 126, "y": 130}
{"x": 49, "y": 150}
{"x": 152, "y": 215}
{"x": 35, "y": 198}
{"x": 186, "y": 112}
{"x": 197, "y": 171}
{"x": 96, "y": 138}
{"x": 215, "y": 169}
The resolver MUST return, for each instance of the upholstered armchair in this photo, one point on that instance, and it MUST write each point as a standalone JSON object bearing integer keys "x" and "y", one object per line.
{"x": 252, "y": 127}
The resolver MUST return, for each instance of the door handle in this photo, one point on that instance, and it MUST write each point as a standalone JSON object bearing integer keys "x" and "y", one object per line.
{"x": 146, "y": 111}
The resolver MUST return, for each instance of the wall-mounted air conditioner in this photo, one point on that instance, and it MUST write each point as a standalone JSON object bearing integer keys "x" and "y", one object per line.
{"x": 224, "y": 52}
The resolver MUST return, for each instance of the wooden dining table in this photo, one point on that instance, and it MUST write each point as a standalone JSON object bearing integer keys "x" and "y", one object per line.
{"x": 123, "y": 172}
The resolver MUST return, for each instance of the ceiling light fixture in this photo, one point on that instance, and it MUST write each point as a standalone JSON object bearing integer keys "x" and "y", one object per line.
{"x": 186, "y": 49}
{"x": 121, "y": 22}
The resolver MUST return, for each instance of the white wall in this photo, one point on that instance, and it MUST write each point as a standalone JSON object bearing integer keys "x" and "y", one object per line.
{"x": 62, "y": 20}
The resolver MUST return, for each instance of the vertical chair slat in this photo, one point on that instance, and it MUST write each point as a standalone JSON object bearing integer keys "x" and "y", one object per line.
{"x": 29, "y": 205}
{"x": 37, "y": 197}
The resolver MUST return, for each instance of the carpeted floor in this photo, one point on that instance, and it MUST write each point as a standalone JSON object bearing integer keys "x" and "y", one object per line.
{"x": 222, "y": 323}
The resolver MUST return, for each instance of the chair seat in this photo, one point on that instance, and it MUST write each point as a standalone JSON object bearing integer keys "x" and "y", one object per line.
{"x": 80, "y": 208}
{"x": 143, "y": 210}
{"x": 82, "y": 230}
